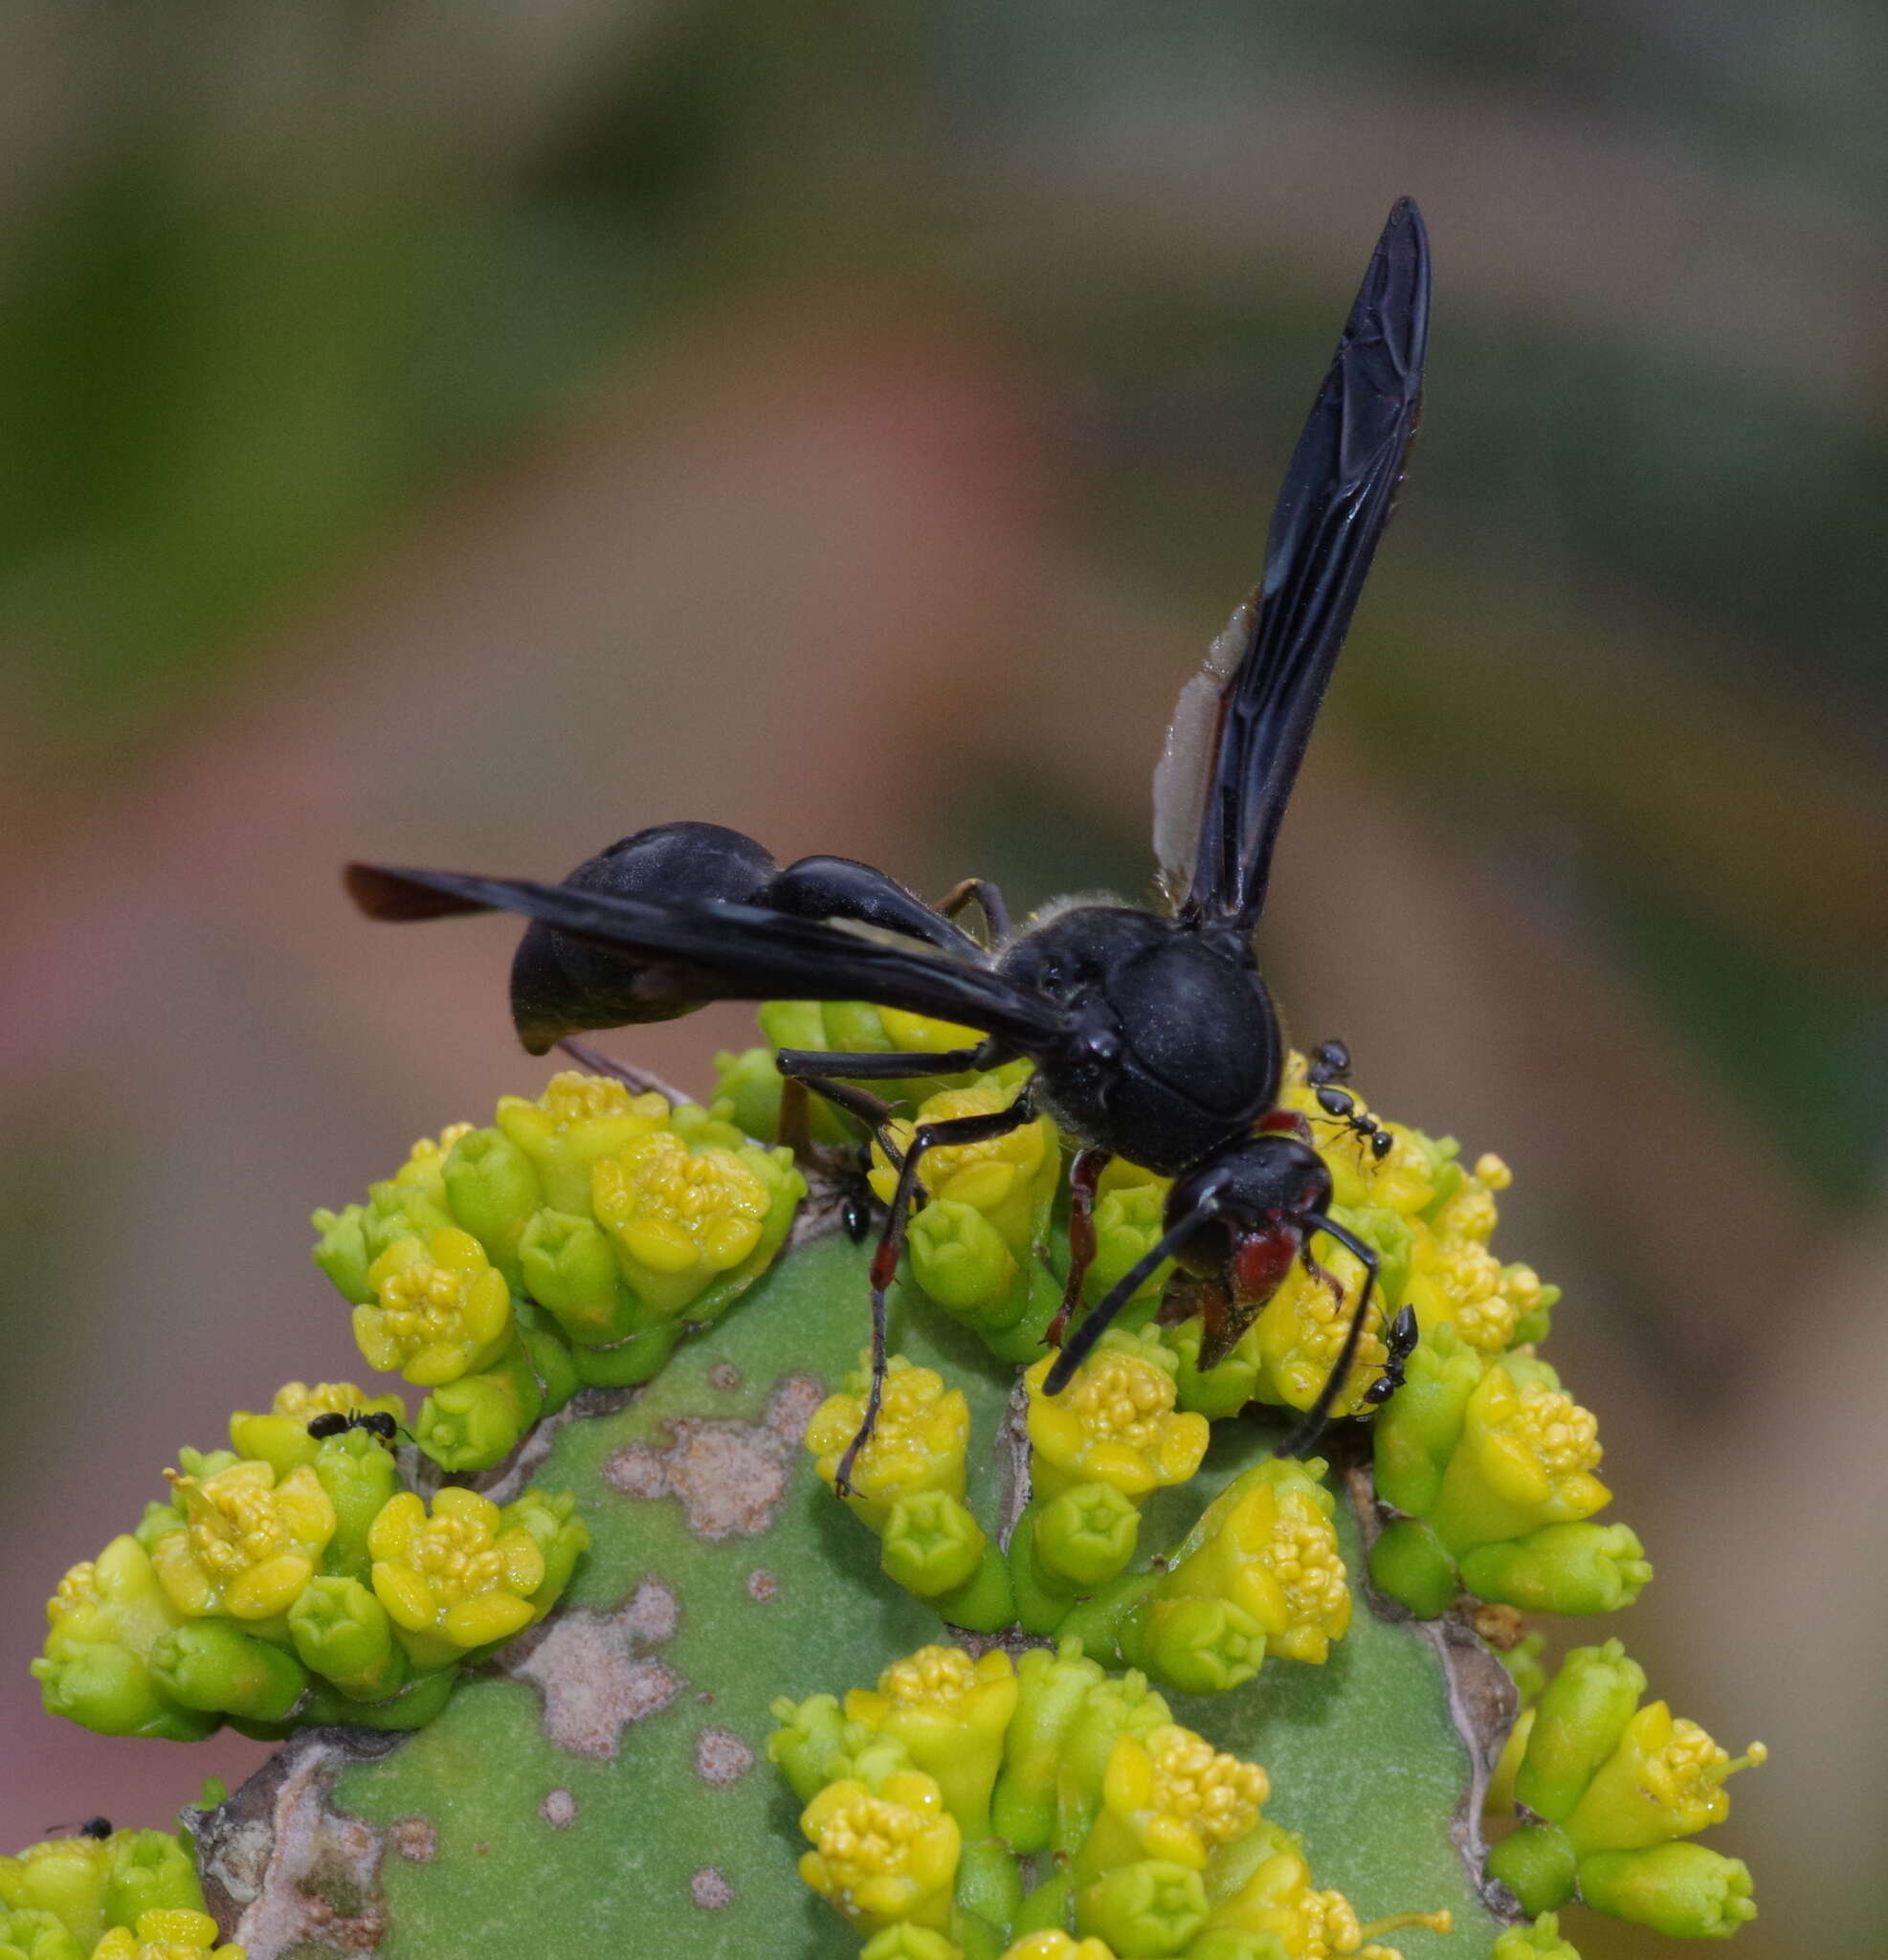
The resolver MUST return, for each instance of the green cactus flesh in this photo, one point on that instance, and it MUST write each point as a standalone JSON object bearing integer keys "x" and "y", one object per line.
{"x": 603, "y": 1787}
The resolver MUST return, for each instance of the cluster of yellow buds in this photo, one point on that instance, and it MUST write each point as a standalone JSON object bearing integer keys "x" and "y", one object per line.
{"x": 1612, "y": 1788}
{"x": 1492, "y": 1463}
{"x": 106, "y": 1895}
{"x": 572, "y": 1241}
{"x": 924, "y": 1801}
{"x": 307, "y": 1586}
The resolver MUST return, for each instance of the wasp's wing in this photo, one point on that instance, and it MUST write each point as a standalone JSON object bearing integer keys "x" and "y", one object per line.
{"x": 1331, "y": 511}
{"x": 723, "y": 951}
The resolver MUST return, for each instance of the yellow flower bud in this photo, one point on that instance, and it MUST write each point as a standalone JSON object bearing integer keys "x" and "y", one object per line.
{"x": 249, "y": 1544}
{"x": 1169, "y": 1795}
{"x": 578, "y": 1120}
{"x": 1268, "y": 1545}
{"x": 1525, "y": 1459}
{"x": 918, "y": 1444}
{"x": 1003, "y": 1177}
{"x": 885, "y": 1857}
{"x": 950, "y": 1712}
{"x": 455, "y": 1580}
{"x": 680, "y": 1219}
{"x": 1299, "y": 1336}
{"x": 176, "y": 1934}
{"x": 1115, "y": 1423}
{"x": 443, "y": 1309}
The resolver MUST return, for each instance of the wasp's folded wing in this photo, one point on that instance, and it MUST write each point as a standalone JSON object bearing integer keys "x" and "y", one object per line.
{"x": 723, "y": 951}
{"x": 1332, "y": 510}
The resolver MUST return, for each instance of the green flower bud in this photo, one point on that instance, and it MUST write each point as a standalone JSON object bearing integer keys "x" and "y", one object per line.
{"x": 1151, "y": 1909}
{"x": 158, "y": 1520}
{"x": 1542, "y": 1940}
{"x": 1086, "y": 1536}
{"x": 931, "y": 1544}
{"x": 561, "y": 1536}
{"x": 1685, "y": 1891}
{"x": 810, "y": 1743}
{"x": 547, "y": 1355}
{"x": 1571, "y": 1569}
{"x": 110, "y": 1690}
{"x": 1525, "y": 1667}
{"x": 476, "y": 1421}
{"x": 341, "y": 1250}
{"x": 1221, "y": 1391}
{"x": 29, "y": 1935}
{"x": 1536, "y": 1864}
{"x": 215, "y": 1666}
{"x": 151, "y": 1871}
{"x": 103, "y": 1622}
{"x": 571, "y": 1270}
{"x": 359, "y": 1474}
{"x": 1414, "y": 1436}
{"x": 1050, "y": 1691}
{"x": 1580, "y": 1720}
{"x": 1128, "y": 1219}
{"x": 1200, "y": 1646}
{"x": 1408, "y": 1563}
{"x": 64, "y": 1877}
{"x": 959, "y": 1260}
{"x": 1666, "y": 1779}
{"x": 493, "y": 1193}
{"x": 1109, "y": 1710}
{"x": 989, "y": 1885}
{"x": 342, "y": 1633}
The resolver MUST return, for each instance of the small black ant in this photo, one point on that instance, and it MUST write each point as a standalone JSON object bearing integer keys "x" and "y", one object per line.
{"x": 1401, "y": 1340}
{"x": 1340, "y": 1107}
{"x": 96, "y": 1828}
{"x": 335, "y": 1423}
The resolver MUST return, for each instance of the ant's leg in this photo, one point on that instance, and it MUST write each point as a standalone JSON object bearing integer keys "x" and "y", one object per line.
{"x": 1101, "y": 1314}
{"x": 928, "y": 1136}
{"x": 882, "y": 1067}
{"x": 990, "y": 900}
{"x": 1312, "y": 1425}
{"x": 1084, "y": 1174}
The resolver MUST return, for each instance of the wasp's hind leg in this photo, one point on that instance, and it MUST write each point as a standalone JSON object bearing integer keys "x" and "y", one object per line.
{"x": 928, "y": 1136}
{"x": 855, "y": 1183}
{"x": 988, "y": 900}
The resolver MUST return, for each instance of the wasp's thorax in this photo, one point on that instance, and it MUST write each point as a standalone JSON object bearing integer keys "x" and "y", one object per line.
{"x": 1176, "y": 1048}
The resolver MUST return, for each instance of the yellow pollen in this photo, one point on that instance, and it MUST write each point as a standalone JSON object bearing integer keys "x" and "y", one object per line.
{"x": 867, "y": 1839}
{"x": 933, "y": 1674}
{"x": 1493, "y": 1172}
{"x": 572, "y": 1097}
{"x": 1561, "y": 1433}
{"x": 1119, "y": 1397}
{"x": 1217, "y": 1793}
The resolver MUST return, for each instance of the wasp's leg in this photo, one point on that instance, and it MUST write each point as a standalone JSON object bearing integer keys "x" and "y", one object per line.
{"x": 1084, "y": 1174}
{"x": 640, "y": 1080}
{"x": 880, "y": 1066}
{"x": 990, "y": 900}
{"x": 928, "y": 1136}
{"x": 1102, "y": 1313}
{"x": 1323, "y": 1275}
{"x": 1286, "y": 1123}
{"x": 1312, "y": 1424}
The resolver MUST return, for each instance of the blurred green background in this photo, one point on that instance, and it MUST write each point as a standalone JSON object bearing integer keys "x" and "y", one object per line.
{"x": 469, "y": 431}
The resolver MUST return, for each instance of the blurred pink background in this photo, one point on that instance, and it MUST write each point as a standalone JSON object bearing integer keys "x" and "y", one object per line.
{"x": 466, "y": 434}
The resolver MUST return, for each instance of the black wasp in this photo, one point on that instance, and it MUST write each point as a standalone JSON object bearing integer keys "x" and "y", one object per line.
{"x": 1152, "y": 1035}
